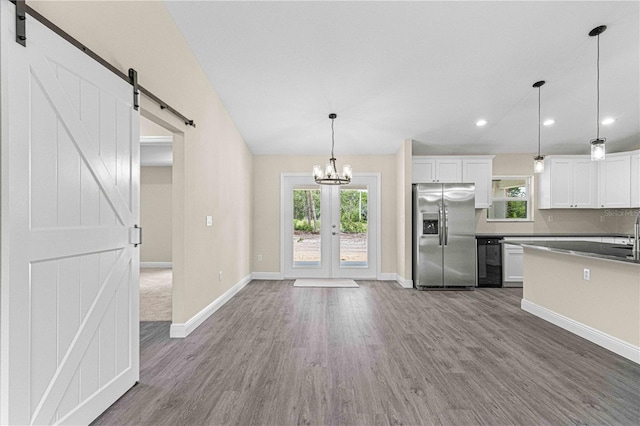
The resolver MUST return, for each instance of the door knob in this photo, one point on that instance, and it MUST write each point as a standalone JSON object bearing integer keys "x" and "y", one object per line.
{"x": 333, "y": 233}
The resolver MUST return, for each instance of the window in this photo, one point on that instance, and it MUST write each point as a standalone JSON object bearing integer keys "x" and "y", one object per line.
{"x": 510, "y": 199}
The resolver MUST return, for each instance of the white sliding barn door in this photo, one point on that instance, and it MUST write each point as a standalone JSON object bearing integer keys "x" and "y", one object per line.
{"x": 70, "y": 191}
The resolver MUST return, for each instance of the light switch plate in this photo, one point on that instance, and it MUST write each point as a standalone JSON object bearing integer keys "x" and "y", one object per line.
{"x": 209, "y": 220}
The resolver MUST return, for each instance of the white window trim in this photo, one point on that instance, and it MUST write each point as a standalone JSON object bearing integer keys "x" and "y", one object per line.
{"x": 529, "y": 199}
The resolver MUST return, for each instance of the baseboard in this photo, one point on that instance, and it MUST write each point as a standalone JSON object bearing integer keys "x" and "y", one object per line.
{"x": 267, "y": 276}
{"x": 404, "y": 282}
{"x": 156, "y": 264}
{"x": 386, "y": 276}
{"x": 182, "y": 330}
{"x": 615, "y": 345}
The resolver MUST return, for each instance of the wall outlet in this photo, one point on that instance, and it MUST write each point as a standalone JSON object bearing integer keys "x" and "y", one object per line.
{"x": 550, "y": 219}
{"x": 601, "y": 218}
{"x": 209, "y": 220}
{"x": 586, "y": 274}
{"x": 259, "y": 258}
{"x": 220, "y": 276}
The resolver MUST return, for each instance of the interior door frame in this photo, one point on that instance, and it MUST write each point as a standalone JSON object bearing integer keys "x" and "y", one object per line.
{"x": 377, "y": 244}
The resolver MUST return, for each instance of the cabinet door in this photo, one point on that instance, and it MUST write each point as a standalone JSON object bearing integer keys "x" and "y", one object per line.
{"x": 614, "y": 183}
{"x": 561, "y": 183}
{"x": 585, "y": 183}
{"x": 424, "y": 171}
{"x": 479, "y": 172}
{"x": 512, "y": 265}
{"x": 449, "y": 170}
{"x": 635, "y": 180}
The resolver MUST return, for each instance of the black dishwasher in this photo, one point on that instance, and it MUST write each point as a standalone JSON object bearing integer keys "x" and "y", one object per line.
{"x": 489, "y": 262}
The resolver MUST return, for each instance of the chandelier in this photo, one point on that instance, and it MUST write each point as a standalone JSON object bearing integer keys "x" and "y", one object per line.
{"x": 330, "y": 175}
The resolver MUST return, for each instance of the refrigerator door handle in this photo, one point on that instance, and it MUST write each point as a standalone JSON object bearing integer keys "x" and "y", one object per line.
{"x": 440, "y": 224}
{"x": 446, "y": 225}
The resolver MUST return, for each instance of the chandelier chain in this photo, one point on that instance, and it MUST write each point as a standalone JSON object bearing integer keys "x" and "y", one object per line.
{"x": 333, "y": 142}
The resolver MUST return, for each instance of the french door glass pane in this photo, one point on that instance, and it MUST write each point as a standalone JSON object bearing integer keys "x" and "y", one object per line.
{"x": 306, "y": 228}
{"x": 353, "y": 226}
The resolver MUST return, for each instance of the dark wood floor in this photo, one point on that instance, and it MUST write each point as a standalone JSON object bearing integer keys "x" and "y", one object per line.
{"x": 378, "y": 354}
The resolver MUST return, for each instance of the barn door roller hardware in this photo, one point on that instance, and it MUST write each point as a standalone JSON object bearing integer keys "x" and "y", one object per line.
{"x": 22, "y": 9}
{"x": 21, "y": 25}
{"x": 133, "y": 79}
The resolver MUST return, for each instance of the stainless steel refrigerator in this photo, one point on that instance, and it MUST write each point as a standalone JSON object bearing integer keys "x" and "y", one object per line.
{"x": 444, "y": 228}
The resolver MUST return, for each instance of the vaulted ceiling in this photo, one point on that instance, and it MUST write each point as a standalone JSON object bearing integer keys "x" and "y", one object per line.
{"x": 425, "y": 71}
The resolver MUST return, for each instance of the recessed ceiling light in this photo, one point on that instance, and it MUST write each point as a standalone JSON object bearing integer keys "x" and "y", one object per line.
{"x": 608, "y": 120}
{"x": 548, "y": 122}
{"x": 481, "y": 123}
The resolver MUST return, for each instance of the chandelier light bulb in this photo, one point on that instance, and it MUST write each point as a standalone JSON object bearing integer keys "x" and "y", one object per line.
{"x": 317, "y": 172}
{"x": 346, "y": 171}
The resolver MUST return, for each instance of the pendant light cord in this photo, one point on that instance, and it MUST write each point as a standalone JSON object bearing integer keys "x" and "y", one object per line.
{"x": 598, "y": 92}
{"x": 539, "y": 121}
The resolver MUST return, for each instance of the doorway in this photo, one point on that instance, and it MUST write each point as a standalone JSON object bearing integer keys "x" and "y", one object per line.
{"x": 330, "y": 231}
{"x": 156, "y": 278}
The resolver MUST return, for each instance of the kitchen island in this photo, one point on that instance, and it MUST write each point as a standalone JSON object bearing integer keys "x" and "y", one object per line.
{"x": 591, "y": 289}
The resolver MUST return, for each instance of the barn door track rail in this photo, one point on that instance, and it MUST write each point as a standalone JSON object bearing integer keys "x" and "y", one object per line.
{"x": 22, "y": 9}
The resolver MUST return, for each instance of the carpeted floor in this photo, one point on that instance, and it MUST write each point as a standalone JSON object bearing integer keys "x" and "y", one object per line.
{"x": 155, "y": 294}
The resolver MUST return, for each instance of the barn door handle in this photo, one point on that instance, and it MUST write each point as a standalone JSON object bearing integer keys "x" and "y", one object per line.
{"x": 135, "y": 235}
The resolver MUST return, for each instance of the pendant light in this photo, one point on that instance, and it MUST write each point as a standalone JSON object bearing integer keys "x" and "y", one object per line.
{"x": 538, "y": 161}
{"x": 330, "y": 175}
{"x": 597, "y": 144}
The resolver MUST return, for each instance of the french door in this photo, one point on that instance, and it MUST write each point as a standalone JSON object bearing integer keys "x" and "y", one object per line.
{"x": 70, "y": 190}
{"x": 330, "y": 231}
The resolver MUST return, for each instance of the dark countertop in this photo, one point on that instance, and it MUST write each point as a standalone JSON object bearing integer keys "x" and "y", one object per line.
{"x": 550, "y": 235}
{"x": 606, "y": 251}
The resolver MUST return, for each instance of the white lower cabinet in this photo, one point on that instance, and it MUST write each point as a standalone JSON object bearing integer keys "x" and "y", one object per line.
{"x": 512, "y": 265}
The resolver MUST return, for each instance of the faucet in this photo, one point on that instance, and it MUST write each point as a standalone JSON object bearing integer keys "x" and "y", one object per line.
{"x": 636, "y": 235}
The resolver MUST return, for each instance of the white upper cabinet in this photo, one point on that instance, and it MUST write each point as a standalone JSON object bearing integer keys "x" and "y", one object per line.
{"x": 468, "y": 169}
{"x": 423, "y": 170}
{"x": 614, "y": 181}
{"x": 430, "y": 169}
{"x": 480, "y": 172}
{"x": 568, "y": 182}
{"x": 635, "y": 179}
{"x": 449, "y": 170}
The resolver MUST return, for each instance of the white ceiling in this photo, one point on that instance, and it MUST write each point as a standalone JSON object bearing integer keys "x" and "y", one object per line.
{"x": 420, "y": 70}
